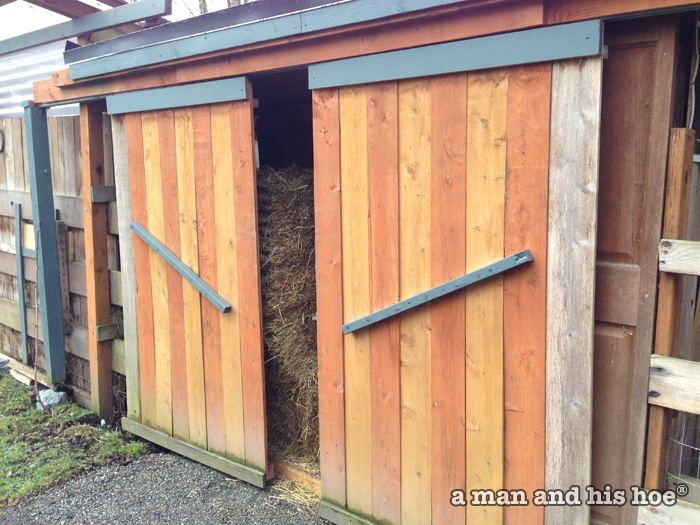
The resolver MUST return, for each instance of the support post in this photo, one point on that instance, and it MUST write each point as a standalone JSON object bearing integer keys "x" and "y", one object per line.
{"x": 96, "y": 270}
{"x": 46, "y": 245}
{"x": 20, "y": 282}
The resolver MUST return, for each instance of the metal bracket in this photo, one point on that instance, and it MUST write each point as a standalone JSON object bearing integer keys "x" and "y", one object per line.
{"x": 107, "y": 332}
{"x": 440, "y": 291}
{"x": 103, "y": 194}
{"x": 184, "y": 270}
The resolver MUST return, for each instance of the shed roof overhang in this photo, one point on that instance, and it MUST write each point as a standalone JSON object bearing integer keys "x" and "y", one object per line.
{"x": 344, "y": 29}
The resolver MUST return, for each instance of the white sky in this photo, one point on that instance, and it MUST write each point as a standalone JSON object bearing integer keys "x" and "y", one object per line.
{"x": 20, "y": 17}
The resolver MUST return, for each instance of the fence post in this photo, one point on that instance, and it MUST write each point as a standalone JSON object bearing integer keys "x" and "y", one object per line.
{"x": 46, "y": 245}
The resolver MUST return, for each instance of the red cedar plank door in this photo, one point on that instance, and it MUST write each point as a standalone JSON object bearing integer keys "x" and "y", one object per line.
{"x": 176, "y": 305}
{"x": 329, "y": 292}
{"x": 383, "y": 181}
{"x": 448, "y": 315}
{"x": 144, "y": 300}
{"x": 249, "y": 301}
{"x": 525, "y": 300}
{"x": 204, "y": 189}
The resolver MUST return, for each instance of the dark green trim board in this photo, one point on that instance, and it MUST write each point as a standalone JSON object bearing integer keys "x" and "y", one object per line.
{"x": 338, "y": 14}
{"x": 28, "y": 252}
{"x": 244, "y": 472}
{"x": 44, "y": 218}
{"x": 544, "y": 44}
{"x": 20, "y": 282}
{"x": 184, "y": 270}
{"x": 106, "y": 19}
{"x": 225, "y": 90}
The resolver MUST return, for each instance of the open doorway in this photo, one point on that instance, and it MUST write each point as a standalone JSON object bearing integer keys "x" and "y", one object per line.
{"x": 284, "y": 133}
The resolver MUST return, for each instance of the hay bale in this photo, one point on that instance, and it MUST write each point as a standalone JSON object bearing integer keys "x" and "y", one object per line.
{"x": 288, "y": 279}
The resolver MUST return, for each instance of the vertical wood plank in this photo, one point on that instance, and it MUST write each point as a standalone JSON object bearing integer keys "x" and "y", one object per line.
{"x": 144, "y": 298}
{"x": 96, "y": 270}
{"x": 68, "y": 156}
{"x": 329, "y": 294}
{"x": 414, "y": 261}
{"x": 678, "y": 183}
{"x": 9, "y": 154}
{"x": 356, "y": 301}
{"x": 18, "y": 153}
{"x": 189, "y": 252}
{"x": 249, "y": 299}
{"x": 54, "y": 148}
{"x": 228, "y": 279}
{"x": 487, "y": 107}
{"x": 206, "y": 235}
{"x": 128, "y": 262}
{"x": 25, "y": 159}
{"x": 176, "y": 307}
{"x": 109, "y": 151}
{"x": 159, "y": 272}
{"x": 525, "y": 288}
{"x": 385, "y": 347}
{"x": 78, "y": 156}
{"x": 3, "y": 157}
{"x": 448, "y": 315}
{"x": 571, "y": 252}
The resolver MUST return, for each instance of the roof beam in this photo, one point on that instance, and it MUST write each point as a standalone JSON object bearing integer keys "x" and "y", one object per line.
{"x": 69, "y": 8}
{"x": 98, "y": 21}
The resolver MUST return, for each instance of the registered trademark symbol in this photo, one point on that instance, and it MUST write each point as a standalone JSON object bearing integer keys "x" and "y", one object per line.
{"x": 682, "y": 489}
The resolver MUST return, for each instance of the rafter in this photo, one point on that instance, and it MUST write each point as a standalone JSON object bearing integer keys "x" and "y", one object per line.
{"x": 69, "y": 8}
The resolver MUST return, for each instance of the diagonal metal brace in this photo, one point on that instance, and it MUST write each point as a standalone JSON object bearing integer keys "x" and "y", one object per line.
{"x": 440, "y": 291}
{"x": 184, "y": 270}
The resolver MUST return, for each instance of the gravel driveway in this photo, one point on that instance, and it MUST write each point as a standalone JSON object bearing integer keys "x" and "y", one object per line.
{"x": 159, "y": 488}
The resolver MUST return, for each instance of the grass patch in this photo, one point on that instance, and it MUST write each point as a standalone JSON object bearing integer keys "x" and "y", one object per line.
{"x": 39, "y": 451}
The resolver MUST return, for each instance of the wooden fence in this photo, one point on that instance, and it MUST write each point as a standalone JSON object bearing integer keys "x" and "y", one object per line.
{"x": 66, "y": 169}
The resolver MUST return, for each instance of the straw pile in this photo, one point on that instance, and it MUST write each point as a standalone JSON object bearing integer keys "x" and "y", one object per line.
{"x": 287, "y": 267}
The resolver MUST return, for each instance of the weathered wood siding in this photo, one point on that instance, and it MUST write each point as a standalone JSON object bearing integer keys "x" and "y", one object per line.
{"x": 201, "y": 375}
{"x": 66, "y": 170}
{"x": 419, "y": 182}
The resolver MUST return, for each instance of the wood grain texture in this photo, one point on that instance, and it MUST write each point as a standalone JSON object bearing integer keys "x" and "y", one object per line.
{"x": 573, "y": 201}
{"x": 414, "y": 273}
{"x": 680, "y": 514}
{"x": 525, "y": 288}
{"x": 96, "y": 267}
{"x": 675, "y": 384}
{"x": 144, "y": 298}
{"x": 564, "y": 11}
{"x": 448, "y": 315}
{"x": 329, "y": 293}
{"x": 206, "y": 237}
{"x": 249, "y": 298}
{"x": 383, "y": 194}
{"x": 128, "y": 267}
{"x": 679, "y": 257}
{"x": 159, "y": 274}
{"x": 638, "y": 101}
{"x": 228, "y": 279}
{"x": 176, "y": 306}
{"x": 487, "y": 109}
{"x": 675, "y": 226}
{"x": 356, "y": 300}
{"x": 189, "y": 252}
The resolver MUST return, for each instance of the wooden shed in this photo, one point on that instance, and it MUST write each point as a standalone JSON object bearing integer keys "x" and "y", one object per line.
{"x": 489, "y": 181}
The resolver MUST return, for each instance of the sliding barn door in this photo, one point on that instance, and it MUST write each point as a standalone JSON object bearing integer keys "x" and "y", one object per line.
{"x": 419, "y": 182}
{"x": 192, "y": 173}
